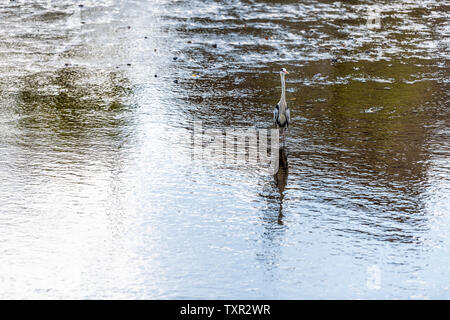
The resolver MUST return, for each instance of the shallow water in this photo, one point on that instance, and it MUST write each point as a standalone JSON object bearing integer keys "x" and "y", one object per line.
{"x": 101, "y": 197}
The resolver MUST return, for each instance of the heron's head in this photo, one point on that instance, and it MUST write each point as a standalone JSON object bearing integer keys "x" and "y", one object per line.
{"x": 283, "y": 71}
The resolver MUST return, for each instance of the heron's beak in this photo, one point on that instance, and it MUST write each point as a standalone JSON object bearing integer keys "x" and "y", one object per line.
{"x": 285, "y": 72}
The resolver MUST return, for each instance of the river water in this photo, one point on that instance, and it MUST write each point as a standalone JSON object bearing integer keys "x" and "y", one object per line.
{"x": 100, "y": 194}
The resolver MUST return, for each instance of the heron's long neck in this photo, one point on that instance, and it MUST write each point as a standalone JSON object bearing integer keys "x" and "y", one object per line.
{"x": 283, "y": 93}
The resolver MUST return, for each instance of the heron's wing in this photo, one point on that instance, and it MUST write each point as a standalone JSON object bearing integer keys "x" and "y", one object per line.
{"x": 275, "y": 113}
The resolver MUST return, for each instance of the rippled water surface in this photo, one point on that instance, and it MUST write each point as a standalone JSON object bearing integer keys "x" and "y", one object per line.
{"x": 101, "y": 197}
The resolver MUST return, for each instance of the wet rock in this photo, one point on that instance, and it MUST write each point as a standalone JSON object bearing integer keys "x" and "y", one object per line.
{"x": 80, "y": 5}
{"x": 129, "y": 64}
{"x": 156, "y": 76}
{"x": 175, "y": 81}
{"x": 214, "y": 45}
{"x": 189, "y": 41}
{"x": 175, "y": 58}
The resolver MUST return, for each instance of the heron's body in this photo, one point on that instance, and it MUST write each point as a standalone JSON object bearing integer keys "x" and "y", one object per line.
{"x": 281, "y": 113}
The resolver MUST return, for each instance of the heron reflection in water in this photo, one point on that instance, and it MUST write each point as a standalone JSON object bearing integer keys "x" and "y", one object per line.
{"x": 281, "y": 179}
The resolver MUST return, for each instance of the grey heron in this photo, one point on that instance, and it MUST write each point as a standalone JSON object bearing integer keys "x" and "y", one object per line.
{"x": 281, "y": 113}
